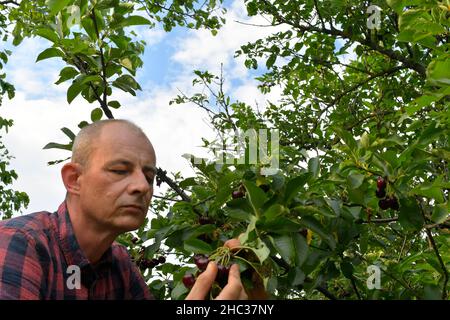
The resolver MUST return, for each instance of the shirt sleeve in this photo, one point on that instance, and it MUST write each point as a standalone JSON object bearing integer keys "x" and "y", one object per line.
{"x": 20, "y": 269}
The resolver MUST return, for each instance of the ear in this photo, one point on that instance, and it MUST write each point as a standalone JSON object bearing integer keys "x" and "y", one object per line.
{"x": 70, "y": 174}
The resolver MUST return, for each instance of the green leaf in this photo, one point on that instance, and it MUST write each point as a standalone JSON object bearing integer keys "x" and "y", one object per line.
{"x": 47, "y": 34}
{"x": 53, "y": 145}
{"x": 347, "y": 138}
{"x": 244, "y": 237}
{"x": 270, "y": 62}
{"x": 237, "y": 214}
{"x": 179, "y": 290}
{"x": 135, "y": 21}
{"x": 347, "y": 269}
{"x": 96, "y": 114}
{"x": 438, "y": 72}
{"x": 114, "y": 104}
{"x": 261, "y": 250}
{"x": 56, "y": 6}
{"x": 88, "y": 25}
{"x": 197, "y": 246}
{"x": 311, "y": 223}
{"x": 74, "y": 90}
{"x": 127, "y": 84}
{"x": 280, "y": 225}
{"x": 432, "y": 292}
{"x": 49, "y": 53}
{"x": 429, "y": 192}
{"x": 355, "y": 180}
{"x": 126, "y": 62}
{"x": 313, "y": 166}
{"x": 68, "y": 133}
{"x": 67, "y": 73}
{"x": 440, "y": 213}
{"x": 106, "y": 4}
{"x": 285, "y": 247}
{"x": 296, "y": 277}
{"x": 410, "y": 216}
{"x": 294, "y": 185}
{"x": 256, "y": 196}
{"x": 274, "y": 211}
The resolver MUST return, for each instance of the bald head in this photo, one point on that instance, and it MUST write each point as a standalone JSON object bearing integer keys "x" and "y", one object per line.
{"x": 89, "y": 138}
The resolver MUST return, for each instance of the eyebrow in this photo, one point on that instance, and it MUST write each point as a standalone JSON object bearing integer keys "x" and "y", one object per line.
{"x": 128, "y": 163}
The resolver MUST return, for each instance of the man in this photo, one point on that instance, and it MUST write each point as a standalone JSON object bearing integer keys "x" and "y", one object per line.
{"x": 109, "y": 185}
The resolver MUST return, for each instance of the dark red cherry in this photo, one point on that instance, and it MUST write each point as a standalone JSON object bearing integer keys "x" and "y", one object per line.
{"x": 381, "y": 183}
{"x": 188, "y": 280}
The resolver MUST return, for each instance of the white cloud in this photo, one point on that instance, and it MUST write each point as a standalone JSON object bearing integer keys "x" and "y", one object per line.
{"x": 40, "y": 108}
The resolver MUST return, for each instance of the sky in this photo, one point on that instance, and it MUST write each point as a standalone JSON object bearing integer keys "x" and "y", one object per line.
{"x": 40, "y": 107}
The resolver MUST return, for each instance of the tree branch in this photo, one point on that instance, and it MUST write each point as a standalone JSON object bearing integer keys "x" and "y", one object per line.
{"x": 9, "y": 2}
{"x": 410, "y": 63}
{"x": 438, "y": 255}
{"x": 380, "y": 221}
{"x": 318, "y": 14}
{"x": 103, "y": 102}
{"x": 162, "y": 176}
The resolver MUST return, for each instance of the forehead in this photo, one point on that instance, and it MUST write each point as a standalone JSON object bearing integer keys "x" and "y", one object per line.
{"x": 118, "y": 141}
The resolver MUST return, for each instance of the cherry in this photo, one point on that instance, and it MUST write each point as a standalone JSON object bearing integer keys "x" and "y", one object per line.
{"x": 135, "y": 240}
{"x": 205, "y": 220}
{"x": 237, "y": 194}
{"x": 222, "y": 273}
{"x": 384, "y": 204}
{"x": 202, "y": 263}
{"x": 381, "y": 183}
{"x": 162, "y": 259}
{"x": 188, "y": 280}
{"x": 152, "y": 263}
{"x": 393, "y": 203}
{"x": 145, "y": 263}
{"x": 380, "y": 193}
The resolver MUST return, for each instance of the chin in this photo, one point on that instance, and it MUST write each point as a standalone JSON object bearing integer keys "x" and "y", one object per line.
{"x": 129, "y": 224}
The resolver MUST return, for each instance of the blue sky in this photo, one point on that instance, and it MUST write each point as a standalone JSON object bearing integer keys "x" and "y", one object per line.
{"x": 40, "y": 108}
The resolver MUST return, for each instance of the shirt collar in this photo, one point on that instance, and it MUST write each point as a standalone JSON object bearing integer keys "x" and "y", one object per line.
{"x": 70, "y": 247}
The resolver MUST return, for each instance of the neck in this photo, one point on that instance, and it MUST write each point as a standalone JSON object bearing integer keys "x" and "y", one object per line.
{"x": 93, "y": 240}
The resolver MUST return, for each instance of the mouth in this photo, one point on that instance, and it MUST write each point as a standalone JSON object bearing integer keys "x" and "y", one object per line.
{"x": 134, "y": 207}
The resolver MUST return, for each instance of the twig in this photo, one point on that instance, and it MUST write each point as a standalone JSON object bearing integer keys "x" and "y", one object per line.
{"x": 103, "y": 103}
{"x": 387, "y": 220}
{"x": 164, "y": 198}
{"x": 162, "y": 175}
{"x": 410, "y": 63}
{"x": 438, "y": 255}
{"x": 9, "y": 2}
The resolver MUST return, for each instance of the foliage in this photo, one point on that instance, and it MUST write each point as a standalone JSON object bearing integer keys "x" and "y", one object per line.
{"x": 315, "y": 226}
{"x": 10, "y": 200}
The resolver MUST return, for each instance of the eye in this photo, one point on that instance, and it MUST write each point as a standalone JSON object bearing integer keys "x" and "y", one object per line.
{"x": 120, "y": 172}
{"x": 150, "y": 180}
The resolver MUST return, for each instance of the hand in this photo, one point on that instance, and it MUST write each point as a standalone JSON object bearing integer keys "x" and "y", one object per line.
{"x": 258, "y": 292}
{"x": 234, "y": 290}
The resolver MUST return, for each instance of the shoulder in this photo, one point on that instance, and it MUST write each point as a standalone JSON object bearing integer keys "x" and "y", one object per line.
{"x": 29, "y": 223}
{"x": 31, "y": 230}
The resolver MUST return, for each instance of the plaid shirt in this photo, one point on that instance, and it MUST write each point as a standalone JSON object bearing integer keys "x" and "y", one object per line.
{"x": 36, "y": 251}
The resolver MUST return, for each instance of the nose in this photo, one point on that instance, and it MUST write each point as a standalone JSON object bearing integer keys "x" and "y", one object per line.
{"x": 139, "y": 184}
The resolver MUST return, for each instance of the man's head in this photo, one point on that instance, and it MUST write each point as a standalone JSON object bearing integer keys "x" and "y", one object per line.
{"x": 110, "y": 177}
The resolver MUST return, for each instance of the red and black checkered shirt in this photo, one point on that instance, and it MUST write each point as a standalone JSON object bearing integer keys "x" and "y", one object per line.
{"x": 36, "y": 251}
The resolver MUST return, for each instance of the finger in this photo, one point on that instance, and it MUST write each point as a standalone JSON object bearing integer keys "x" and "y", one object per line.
{"x": 234, "y": 289}
{"x": 203, "y": 283}
{"x": 232, "y": 243}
